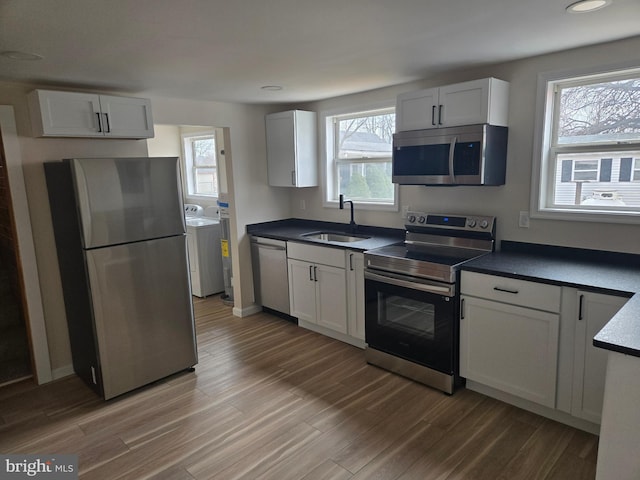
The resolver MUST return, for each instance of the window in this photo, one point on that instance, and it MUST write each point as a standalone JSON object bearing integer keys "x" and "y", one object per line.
{"x": 201, "y": 164}
{"x": 359, "y": 157}
{"x": 589, "y": 148}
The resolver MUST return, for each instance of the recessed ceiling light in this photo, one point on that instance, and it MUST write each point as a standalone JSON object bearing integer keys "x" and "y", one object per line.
{"x": 16, "y": 55}
{"x": 271, "y": 88}
{"x": 584, "y": 6}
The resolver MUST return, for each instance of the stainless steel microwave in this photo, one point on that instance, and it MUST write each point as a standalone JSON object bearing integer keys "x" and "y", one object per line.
{"x": 468, "y": 155}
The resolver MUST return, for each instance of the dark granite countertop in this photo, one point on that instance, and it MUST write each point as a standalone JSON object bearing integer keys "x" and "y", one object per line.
{"x": 294, "y": 229}
{"x": 605, "y": 272}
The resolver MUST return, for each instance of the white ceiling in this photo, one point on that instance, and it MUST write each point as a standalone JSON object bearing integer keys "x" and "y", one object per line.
{"x": 315, "y": 49}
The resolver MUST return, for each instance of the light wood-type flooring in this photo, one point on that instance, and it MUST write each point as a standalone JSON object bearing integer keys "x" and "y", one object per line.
{"x": 270, "y": 400}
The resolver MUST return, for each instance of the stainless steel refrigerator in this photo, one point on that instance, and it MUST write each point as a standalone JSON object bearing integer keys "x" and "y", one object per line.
{"x": 121, "y": 241}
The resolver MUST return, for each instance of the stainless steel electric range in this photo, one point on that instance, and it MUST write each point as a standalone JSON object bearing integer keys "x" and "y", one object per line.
{"x": 412, "y": 296}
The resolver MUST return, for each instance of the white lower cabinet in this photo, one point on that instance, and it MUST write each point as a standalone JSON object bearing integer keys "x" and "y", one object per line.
{"x": 318, "y": 286}
{"x": 510, "y": 348}
{"x": 506, "y": 342}
{"x": 535, "y": 341}
{"x": 590, "y": 363}
{"x": 355, "y": 294}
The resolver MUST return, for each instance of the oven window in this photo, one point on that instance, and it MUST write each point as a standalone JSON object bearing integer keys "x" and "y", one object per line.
{"x": 406, "y": 315}
{"x": 412, "y": 324}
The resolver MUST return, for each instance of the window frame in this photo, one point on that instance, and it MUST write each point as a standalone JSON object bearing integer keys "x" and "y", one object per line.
{"x": 329, "y": 153}
{"x": 574, "y": 170}
{"x": 189, "y": 169}
{"x": 546, "y": 149}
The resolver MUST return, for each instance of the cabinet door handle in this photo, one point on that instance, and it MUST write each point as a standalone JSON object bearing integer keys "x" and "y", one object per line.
{"x": 462, "y": 309}
{"x": 293, "y": 177}
{"x": 315, "y": 274}
{"x": 311, "y": 273}
{"x": 506, "y": 290}
{"x": 351, "y": 262}
{"x": 99, "y": 122}
{"x": 580, "y": 304}
{"x": 106, "y": 117}
{"x": 433, "y": 115}
{"x": 440, "y": 108}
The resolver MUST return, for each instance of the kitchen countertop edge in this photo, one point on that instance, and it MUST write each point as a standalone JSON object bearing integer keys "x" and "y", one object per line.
{"x": 609, "y": 273}
{"x": 294, "y": 229}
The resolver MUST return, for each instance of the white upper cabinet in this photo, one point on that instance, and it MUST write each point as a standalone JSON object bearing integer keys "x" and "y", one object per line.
{"x": 468, "y": 103}
{"x": 126, "y": 117}
{"x": 292, "y": 149}
{"x": 72, "y": 114}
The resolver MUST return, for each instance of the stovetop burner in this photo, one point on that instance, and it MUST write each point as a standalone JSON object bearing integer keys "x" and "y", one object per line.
{"x": 435, "y": 246}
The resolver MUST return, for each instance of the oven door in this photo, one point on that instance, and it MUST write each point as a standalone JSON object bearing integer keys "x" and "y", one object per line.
{"x": 411, "y": 318}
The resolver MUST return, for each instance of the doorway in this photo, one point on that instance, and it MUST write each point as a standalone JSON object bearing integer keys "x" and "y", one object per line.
{"x": 15, "y": 356}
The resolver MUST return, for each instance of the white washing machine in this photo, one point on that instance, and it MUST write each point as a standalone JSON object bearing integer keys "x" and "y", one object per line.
{"x": 205, "y": 258}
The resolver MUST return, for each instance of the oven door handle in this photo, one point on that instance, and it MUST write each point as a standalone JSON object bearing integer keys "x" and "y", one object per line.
{"x": 413, "y": 285}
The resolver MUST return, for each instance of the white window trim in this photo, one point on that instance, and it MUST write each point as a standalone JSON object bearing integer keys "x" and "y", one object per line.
{"x": 208, "y": 199}
{"x": 327, "y": 148}
{"x": 635, "y": 168}
{"x": 540, "y": 182}
{"x": 597, "y": 169}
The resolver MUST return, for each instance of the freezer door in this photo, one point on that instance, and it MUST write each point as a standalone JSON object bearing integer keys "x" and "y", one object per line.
{"x": 122, "y": 200}
{"x": 142, "y": 311}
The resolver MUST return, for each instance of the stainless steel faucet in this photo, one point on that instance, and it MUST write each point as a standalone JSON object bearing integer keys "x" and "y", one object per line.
{"x": 352, "y": 223}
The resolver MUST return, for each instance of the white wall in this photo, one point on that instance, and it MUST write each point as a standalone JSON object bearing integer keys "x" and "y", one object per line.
{"x": 251, "y": 199}
{"x": 36, "y": 151}
{"x": 506, "y": 201}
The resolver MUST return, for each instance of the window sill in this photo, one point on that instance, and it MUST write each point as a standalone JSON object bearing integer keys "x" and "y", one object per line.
{"x": 359, "y": 205}
{"x": 598, "y": 216}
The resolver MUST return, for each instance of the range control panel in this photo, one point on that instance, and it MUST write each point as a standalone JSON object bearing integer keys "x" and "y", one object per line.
{"x": 470, "y": 223}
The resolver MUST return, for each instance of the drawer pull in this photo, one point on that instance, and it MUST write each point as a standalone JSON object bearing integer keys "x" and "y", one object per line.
{"x": 506, "y": 290}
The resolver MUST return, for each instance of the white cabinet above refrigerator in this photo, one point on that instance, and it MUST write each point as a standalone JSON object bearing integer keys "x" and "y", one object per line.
{"x": 72, "y": 114}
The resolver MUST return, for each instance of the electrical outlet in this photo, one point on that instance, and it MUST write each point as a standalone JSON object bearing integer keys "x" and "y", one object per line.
{"x": 303, "y": 204}
{"x": 405, "y": 210}
{"x": 523, "y": 220}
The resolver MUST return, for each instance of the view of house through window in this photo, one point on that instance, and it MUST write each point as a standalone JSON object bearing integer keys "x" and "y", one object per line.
{"x": 361, "y": 168}
{"x": 592, "y": 151}
{"x": 201, "y": 164}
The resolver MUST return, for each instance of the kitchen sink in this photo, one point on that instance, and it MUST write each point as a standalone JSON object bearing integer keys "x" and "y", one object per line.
{"x": 335, "y": 237}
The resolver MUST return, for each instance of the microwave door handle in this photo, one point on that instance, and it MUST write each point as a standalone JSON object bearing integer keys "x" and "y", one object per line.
{"x": 452, "y": 150}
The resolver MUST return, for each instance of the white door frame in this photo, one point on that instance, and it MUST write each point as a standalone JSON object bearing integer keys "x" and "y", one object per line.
{"x": 27, "y": 257}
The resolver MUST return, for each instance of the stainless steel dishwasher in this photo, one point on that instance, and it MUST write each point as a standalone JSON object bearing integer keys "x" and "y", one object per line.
{"x": 270, "y": 273}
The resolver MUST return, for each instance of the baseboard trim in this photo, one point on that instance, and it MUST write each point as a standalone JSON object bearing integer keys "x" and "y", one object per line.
{"x": 247, "y": 311}
{"x": 343, "y": 337}
{"x": 62, "y": 372}
{"x": 541, "y": 410}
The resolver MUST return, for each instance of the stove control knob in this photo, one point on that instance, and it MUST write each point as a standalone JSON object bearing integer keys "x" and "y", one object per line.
{"x": 484, "y": 224}
{"x": 471, "y": 223}
{"x": 411, "y": 218}
{"x": 421, "y": 219}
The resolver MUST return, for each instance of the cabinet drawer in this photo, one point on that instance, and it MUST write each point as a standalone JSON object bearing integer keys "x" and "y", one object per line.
{"x": 315, "y": 254}
{"x": 510, "y": 290}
